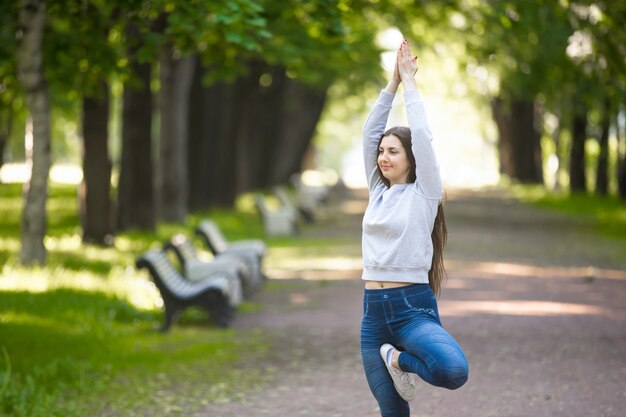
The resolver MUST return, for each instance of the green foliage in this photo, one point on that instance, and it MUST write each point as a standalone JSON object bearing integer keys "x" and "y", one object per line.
{"x": 12, "y": 111}
{"x": 8, "y": 48}
{"x": 522, "y": 42}
{"x": 321, "y": 41}
{"x": 79, "y": 52}
{"x": 201, "y": 25}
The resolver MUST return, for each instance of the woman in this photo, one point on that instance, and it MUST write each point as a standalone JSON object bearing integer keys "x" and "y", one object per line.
{"x": 403, "y": 236}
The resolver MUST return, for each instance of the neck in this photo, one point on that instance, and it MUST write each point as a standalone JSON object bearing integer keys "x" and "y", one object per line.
{"x": 403, "y": 181}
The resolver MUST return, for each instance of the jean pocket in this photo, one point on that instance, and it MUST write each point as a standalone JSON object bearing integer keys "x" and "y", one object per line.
{"x": 421, "y": 304}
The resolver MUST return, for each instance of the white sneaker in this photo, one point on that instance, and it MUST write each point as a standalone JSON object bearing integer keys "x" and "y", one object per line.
{"x": 403, "y": 381}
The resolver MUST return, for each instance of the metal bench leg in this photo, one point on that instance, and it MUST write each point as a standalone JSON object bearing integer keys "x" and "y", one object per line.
{"x": 172, "y": 313}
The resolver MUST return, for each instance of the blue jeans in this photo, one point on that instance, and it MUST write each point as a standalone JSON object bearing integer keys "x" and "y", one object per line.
{"x": 407, "y": 317}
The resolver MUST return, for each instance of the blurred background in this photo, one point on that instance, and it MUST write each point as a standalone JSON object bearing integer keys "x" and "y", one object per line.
{"x": 125, "y": 122}
{"x": 157, "y": 108}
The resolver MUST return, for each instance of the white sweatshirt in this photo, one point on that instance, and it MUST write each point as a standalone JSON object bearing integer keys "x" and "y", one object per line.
{"x": 399, "y": 220}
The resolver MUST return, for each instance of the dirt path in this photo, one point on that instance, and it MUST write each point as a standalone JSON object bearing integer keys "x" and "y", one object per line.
{"x": 537, "y": 301}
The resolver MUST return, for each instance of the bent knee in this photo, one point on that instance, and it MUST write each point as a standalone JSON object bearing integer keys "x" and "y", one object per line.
{"x": 453, "y": 378}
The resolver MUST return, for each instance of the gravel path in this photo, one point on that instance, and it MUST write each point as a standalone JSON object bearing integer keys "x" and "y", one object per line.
{"x": 536, "y": 300}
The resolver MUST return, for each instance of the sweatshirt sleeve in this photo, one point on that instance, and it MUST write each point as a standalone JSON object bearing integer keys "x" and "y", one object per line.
{"x": 428, "y": 178}
{"x": 373, "y": 129}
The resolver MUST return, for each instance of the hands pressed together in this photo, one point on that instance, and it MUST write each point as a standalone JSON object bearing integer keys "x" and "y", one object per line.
{"x": 405, "y": 67}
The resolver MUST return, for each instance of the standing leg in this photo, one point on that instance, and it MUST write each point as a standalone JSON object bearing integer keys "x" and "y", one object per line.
{"x": 374, "y": 333}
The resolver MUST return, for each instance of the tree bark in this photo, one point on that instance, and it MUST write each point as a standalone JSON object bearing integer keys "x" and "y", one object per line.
{"x": 577, "y": 175}
{"x": 200, "y": 123}
{"x": 6, "y": 126}
{"x": 501, "y": 115}
{"x": 602, "y": 181}
{"x": 527, "y": 145}
{"x": 302, "y": 110}
{"x": 212, "y": 160}
{"x": 249, "y": 134}
{"x": 621, "y": 159}
{"x": 172, "y": 174}
{"x": 519, "y": 139}
{"x": 135, "y": 194}
{"x": 31, "y": 76}
{"x": 260, "y": 124}
{"x": 95, "y": 200}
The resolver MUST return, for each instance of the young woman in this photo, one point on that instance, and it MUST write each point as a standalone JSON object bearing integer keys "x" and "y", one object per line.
{"x": 403, "y": 237}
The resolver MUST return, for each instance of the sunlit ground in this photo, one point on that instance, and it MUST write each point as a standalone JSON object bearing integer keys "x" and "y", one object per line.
{"x": 125, "y": 284}
{"x": 59, "y": 173}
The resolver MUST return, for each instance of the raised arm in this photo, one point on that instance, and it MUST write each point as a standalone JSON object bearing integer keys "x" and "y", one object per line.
{"x": 428, "y": 178}
{"x": 375, "y": 127}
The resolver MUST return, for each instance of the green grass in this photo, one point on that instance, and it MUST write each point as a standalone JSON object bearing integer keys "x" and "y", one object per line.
{"x": 606, "y": 214}
{"x": 78, "y": 336}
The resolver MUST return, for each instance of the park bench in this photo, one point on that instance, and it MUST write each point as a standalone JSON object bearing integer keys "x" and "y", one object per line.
{"x": 251, "y": 251}
{"x": 196, "y": 269}
{"x": 212, "y": 294}
{"x": 311, "y": 188}
{"x": 276, "y": 222}
{"x": 303, "y": 209}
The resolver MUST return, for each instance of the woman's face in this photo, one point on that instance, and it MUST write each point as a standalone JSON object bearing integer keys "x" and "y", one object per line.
{"x": 393, "y": 160}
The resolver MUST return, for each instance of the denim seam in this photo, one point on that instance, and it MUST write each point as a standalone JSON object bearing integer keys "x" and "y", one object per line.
{"x": 419, "y": 309}
{"x": 388, "y": 306}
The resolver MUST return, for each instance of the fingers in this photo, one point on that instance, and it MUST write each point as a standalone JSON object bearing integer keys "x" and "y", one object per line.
{"x": 406, "y": 61}
{"x": 405, "y": 47}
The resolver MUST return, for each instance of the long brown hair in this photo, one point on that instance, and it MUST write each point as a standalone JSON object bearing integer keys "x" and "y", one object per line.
{"x": 439, "y": 235}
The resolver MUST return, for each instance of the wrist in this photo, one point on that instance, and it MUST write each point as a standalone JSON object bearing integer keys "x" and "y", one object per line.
{"x": 409, "y": 84}
{"x": 392, "y": 86}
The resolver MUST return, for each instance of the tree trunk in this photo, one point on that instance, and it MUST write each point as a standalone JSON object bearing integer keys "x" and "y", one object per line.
{"x": 303, "y": 108}
{"x": 260, "y": 123}
{"x": 602, "y": 183}
{"x": 31, "y": 76}
{"x": 172, "y": 174}
{"x": 577, "y": 175}
{"x": 502, "y": 117}
{"x": 135, "y": 194}
{"x": 6, "y": 125}
{"x": 95, "y": 190}
{"x": 249, "y": 134}
{"x": 519, "y": 139}
{"x": 200, "y": 123}
{"x": 212, "y": 160}
{"x": 621, "y": 159}
{"x": 527, "y": 142}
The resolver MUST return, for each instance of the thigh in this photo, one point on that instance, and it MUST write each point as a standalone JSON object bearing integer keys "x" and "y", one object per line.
{"x": 430, "y": 339}
{"x": 430, "y": 345}
{"x": 420, "y": 332}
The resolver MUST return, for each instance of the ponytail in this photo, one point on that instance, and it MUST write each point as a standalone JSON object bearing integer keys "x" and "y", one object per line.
{"x": 439, "y": 237}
